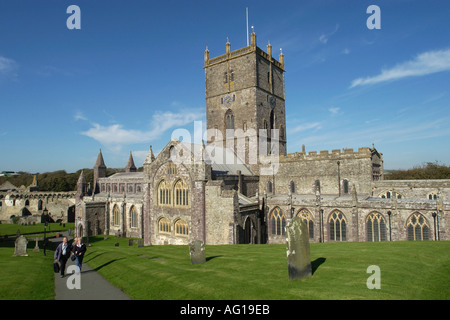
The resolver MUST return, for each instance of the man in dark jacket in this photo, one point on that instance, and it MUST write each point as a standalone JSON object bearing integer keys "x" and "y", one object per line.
{"x": 62, "y": 254}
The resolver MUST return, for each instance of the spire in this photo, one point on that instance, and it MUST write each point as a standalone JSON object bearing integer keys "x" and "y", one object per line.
{"x": 269, "y": 49}
{"x": 82, "y": 178}
{"x": 253, "y": 38}
{"x": 281, "y": 58}
{"x": 130, "y": 166}
{"x": 100, "y": 163}
{"x": 150, "y": 157}
{"x": 81, "y": 186}
{"x": 206, "y": 56}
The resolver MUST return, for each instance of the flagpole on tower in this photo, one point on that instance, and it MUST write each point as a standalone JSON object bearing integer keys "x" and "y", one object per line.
{"x": 246, "y": 13}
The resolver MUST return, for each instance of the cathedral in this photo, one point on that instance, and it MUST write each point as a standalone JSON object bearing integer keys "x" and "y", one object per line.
{"x": 241, "y": 186}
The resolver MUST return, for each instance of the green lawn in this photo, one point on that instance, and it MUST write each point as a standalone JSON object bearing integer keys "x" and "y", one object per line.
{"x": 409, "y": 270}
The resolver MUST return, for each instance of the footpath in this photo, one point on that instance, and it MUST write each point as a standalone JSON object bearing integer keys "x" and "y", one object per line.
{"x": 92, "y": 285}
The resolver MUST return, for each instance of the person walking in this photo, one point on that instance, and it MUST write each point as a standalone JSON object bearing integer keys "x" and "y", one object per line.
{"x": 62, "y": 254}
{"x": 78, "y": 250}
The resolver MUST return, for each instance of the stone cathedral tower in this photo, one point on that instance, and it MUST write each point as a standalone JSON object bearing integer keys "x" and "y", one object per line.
{"x": 245, "y": 92}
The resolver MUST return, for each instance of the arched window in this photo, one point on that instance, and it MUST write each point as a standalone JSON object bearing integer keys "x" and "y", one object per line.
{"x": 269, "y": 187}
{"x": 307, "y": 218}
{"x": 134, "y": 217}
{"x": 172, "y": 153}
{"x": 292, "y": 186}
{"x": 418, "y": 227}
{"x": 317, "y": 186}
{"x": 116, "y": 215}
{"x": 272, "y": 120}
{"x": 181, "y": 194}
{"x": 164, "y": 225}
{"x": 27, "y": 203}
{"x": 164, "y": 194}
{"x": 181, "y": 228}
{"x": 40, "y": 205}
{"x": 376, "y": 227}
{"x": 338, "y": 226}
{"x": 345, "y": 184}
{"x": 278, "y": 222}
{"x": 229, "y": 120}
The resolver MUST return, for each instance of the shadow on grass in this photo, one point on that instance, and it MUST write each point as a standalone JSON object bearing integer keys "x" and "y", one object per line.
{"x": 316, "y": 263}
{"x": 213, "y": 257}
{"x": 103, "y": 265}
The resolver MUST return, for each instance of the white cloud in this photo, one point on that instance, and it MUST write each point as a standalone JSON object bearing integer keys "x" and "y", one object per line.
{"x": 6, "y": 64}
{"x": 334, "y": 110}
{"x": 115, "y": 136}
{"x": 424, "y": 64}
{"x": 8, "y": 68}
{"x": 326, "y": 36}
{"x": 306, "y": 126}
{"x": 346, "y": 51}
{"x": 79, "y": 116}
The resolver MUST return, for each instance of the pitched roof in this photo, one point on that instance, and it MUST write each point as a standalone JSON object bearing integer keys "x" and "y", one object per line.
{"x": 7, "y": 186}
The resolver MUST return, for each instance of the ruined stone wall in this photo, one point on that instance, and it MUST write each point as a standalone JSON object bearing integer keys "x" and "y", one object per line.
{"x": 33, "y": 203}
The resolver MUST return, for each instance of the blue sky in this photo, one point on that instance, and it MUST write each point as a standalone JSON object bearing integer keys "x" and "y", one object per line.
{"x": 133, "y": 74}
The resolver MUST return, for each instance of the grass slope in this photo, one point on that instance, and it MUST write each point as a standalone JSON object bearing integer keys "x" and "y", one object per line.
{"x": 409, "y": 270}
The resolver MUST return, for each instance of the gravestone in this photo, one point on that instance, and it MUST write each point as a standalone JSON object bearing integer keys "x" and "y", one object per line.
{"x": 130, "y": 242}
{"x": 36, "y": 246}
{"x": 298, "y": 252}
{"x": 20, "y": 249}
{"x": 140, "y": 243}
{"x": 197, "y": 252}
{"x": 116, "y": 244}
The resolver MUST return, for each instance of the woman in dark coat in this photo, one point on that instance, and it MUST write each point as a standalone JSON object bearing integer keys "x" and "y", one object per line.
{"x": 78, "y": 250}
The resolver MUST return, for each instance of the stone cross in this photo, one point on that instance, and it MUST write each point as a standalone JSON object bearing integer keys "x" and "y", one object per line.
{"x": 298, "y": 252}
{"x": 36, "y": 246}
{"x": 197, "y": 252}
{"x": 21, "y": 247}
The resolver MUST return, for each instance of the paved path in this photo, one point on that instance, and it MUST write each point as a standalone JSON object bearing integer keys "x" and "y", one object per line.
{"x": 92, "y": 286}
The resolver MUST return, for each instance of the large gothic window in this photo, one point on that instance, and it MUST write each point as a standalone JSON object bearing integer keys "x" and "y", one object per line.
{"x": 278, "y": 222}
{"x": 181, "y": 228}
{"x": 181, "y": 194}
{"x": 376, "y": 227}
{"x": 134, "y": 217}
{"x": 338, "y": 226}
{"x": 229, "y": 120}
{"x": 164, "y": 194}
{"x": 116, "y": 215}
{"x": 164, "y": 225}
{"x": 418, "y": 227}
{"x": 307, "y": 218}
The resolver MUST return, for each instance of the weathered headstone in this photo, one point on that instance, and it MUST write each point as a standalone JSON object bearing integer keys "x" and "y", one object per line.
{"x": 197, "y": 252}
{"x": 116, "y": 244}
{"x": 130, "y": 242}
{"x": 298, "y": 252}
{"x": 140, "y": 243}
{"x": 20, "y": 249}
